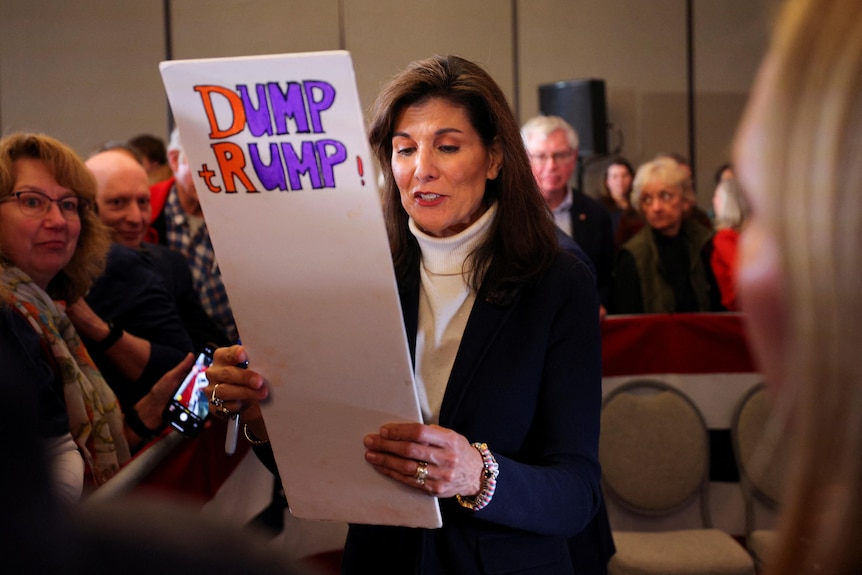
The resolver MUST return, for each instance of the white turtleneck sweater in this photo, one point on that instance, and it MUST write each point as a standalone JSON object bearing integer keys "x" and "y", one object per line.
{"x": 445, "y": 301}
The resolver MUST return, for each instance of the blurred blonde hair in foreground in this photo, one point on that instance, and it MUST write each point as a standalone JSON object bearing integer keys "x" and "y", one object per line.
{"x": 808, "y": 175}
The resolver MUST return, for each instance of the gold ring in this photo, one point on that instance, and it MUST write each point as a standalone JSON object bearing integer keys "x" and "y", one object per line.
{"x": 213, "y": 399}
{"x": 421, "y": 473}
{"x": 226, "y": 411}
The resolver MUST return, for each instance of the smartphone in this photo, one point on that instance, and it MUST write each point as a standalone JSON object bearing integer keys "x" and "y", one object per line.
{"x": 188, "y": 408}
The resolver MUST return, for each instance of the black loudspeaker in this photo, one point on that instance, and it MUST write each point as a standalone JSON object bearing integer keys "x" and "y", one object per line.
{"x": 582, "y": 104}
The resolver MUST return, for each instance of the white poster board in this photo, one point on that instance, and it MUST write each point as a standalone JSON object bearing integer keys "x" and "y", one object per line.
{"x": 283, "y": 170}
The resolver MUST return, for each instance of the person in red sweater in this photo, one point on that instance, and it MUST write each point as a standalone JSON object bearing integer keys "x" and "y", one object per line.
{"x": 731, "y": 209}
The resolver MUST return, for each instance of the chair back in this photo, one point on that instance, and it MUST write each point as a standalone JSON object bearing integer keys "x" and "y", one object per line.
{"x": 761, "y": 448}
{"x": 654, "y": 449}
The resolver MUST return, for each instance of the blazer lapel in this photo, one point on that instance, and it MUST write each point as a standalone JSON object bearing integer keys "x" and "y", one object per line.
{"x": 410, "y": 313}
{"x": 486, "y": 320}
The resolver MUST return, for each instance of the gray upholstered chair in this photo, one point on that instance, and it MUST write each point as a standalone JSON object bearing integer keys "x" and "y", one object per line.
{"x": 761, "y": 449}
{"x": 654, "y": 451}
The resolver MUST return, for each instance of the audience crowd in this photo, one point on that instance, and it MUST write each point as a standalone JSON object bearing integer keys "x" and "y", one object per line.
{"x": 130, "y": 285}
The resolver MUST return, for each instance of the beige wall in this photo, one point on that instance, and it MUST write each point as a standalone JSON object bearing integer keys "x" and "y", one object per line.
{"x": 83, "y": 71}
{"x": 728, "y": 35}
{"x": 385, "y": 35}
{"x": 87, "y": 71}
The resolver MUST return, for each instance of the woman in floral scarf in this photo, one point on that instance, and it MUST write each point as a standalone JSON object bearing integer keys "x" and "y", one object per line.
{"x": 52, "y": 247}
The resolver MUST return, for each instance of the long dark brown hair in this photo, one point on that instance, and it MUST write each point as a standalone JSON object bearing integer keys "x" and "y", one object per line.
{"x": 522, "y": 241}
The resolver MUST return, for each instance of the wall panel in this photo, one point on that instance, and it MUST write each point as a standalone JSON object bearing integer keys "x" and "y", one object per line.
{"x": 637, "y": 48}
{"x": 385, "y": 35}
{"x": 730, "y": 39}
{"x": 217, "y": 28}
{"x": 84, "y": 71}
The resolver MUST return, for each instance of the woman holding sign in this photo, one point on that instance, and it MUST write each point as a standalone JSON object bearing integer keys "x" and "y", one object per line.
{"x": 503, "y": 326}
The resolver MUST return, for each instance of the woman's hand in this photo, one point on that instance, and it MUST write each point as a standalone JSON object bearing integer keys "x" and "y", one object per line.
{"x": 241, "y": 390}
{"x": 452, "y": 465}
{"x": 152, "y": 405}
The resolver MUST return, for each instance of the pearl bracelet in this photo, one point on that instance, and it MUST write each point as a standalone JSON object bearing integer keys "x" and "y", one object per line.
{"x": 490, "y": 471}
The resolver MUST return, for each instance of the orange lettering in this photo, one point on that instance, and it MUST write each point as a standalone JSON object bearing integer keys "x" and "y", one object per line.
{"x": 231, "y": 163}
{"x": 235, "y": 102}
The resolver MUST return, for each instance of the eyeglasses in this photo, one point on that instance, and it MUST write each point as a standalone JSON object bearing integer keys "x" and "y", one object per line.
{"x": 558, "y": 157}
{"x": 36, "y": 204}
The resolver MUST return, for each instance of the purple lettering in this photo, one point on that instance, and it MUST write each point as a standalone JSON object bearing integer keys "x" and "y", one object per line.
{"x": 320, "y": 96}
{"x": 329, "y": 161}
{"x": 306, "y": 163}
{"x": 288, "y": 104}
{"x": 257, "y": 118}
{"x": 271, "y": 175}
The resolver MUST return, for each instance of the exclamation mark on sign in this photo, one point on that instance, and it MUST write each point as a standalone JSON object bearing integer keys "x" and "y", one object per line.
{"x": 361, "y": 169}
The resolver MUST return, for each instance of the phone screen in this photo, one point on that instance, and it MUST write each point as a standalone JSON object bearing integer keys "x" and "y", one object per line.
{"x": 189, "y": 407}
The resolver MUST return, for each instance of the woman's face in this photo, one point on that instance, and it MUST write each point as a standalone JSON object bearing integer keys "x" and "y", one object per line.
{"x": 40, "y": 245}
{"x": 760, "y": 268}
{"x": 663, "y": 207}
{"x": 619, "y": 183}
{"x": 440, "y": 166}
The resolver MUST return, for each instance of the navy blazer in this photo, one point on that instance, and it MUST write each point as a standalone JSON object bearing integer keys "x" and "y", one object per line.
{"x": 133, "y": 296}
{"x": 173, "y": 268}
{"x": 25, "y": 366}
{"x": 593, "y": 229}
{"x": 527, "y": 381}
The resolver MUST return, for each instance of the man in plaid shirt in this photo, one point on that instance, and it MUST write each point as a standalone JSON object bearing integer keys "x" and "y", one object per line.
{"x": 179, "y": 224}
